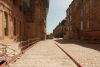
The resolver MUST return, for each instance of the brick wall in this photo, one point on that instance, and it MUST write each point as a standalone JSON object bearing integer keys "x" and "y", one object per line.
{"x": 11, "y": 21}
{"x": 85, "y": 19}
{"x": 82, "y": 20}
{"x": 19, "y": 21}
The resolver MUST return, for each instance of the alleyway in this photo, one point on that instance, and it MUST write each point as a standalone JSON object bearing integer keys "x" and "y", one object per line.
{"x": 74, "y": 25}
{"x": 44, "y": 54}
{"x": 47, "y": 54}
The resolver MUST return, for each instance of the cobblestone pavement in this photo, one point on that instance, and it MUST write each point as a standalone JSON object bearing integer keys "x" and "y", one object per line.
{"x": 44, "y": 54}
{"x": 88, "y": 55}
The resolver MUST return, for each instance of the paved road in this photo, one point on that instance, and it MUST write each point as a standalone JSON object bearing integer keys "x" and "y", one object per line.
{"x": 44, "y": 54}
{"x": 88, "y": 55}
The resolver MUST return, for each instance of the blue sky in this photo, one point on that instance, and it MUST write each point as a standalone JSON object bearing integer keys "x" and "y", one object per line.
{"x": 57, "y": 12}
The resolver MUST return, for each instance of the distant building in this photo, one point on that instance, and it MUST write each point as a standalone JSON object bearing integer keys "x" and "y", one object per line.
{"x": 49, "y": 36}
{"x": 59, "y": 31}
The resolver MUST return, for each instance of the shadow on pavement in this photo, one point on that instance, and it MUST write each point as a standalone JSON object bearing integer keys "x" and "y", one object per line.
{"x": 81, "y": 43}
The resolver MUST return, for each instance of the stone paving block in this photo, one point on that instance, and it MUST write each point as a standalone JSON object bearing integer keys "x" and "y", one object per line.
{"x": 44, "y": 54}
{"x": 87, "y": 57}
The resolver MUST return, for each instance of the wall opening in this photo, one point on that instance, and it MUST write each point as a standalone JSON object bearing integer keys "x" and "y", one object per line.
{"x": 6, "y": 23}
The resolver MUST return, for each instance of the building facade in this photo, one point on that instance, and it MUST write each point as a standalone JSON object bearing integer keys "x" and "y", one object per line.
{"x": 36, "y": 19}
{"x": 82, "y": 20}
{"x": 85, "y": 19}
{"x": 59, "y": 31}
{"x": 22, "y": 19}
{"x": 11, "y": 21}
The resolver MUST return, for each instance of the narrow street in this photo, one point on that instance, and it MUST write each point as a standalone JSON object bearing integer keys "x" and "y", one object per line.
{"x": 44, "y": 54}
{"x": 49, "y": 33}
{"x": 47, "y": 54}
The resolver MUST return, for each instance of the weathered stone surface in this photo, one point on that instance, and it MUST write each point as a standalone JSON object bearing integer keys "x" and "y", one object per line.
{"x": 44, "y": 54}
